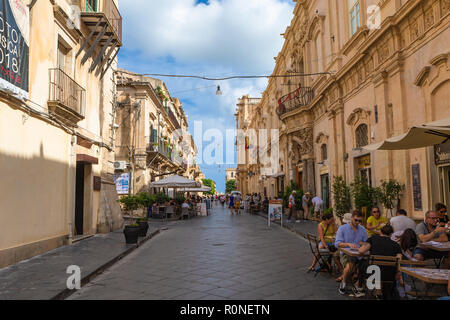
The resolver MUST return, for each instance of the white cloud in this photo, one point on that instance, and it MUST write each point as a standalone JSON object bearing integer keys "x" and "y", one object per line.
{"x": 243, "y": 35}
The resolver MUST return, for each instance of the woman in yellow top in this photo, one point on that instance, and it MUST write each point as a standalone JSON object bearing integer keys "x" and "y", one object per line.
{"x": 375, "y": 222}
{"x": 327, "y": 230}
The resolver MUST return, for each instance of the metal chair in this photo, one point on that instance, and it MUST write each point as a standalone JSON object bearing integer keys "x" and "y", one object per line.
{"x": 323, "y": 256}
{"x": 185, "y": 213}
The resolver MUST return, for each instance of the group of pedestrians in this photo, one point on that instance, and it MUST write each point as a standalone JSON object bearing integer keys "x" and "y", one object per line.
{"x": 311, "y": 209}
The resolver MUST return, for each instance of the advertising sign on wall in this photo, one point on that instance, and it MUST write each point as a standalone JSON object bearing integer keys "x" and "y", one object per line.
{"x": 122, "y": 182}
{"x": 14, "y": 47}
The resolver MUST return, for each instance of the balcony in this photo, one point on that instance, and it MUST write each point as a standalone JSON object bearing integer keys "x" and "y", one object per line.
{"x": 91, "y": 10}
{"x": 294, "y": 100}
{"x": 104, "y": 22}
{"x": 67, "y": 98}
{"x": 173, "y": 119}
{"x": 161, "y": 149}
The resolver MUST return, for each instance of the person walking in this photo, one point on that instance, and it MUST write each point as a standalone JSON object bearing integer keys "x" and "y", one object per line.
{"x": 306, "y": 199}
{"x": 232, "y": 204}
{"x": 292, "y": 206}
{"x": 317, "y": 203}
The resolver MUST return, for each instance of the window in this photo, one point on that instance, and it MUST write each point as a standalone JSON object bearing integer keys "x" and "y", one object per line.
{"x": 324, "y": 152}
{"x": 362, "y": 136}
{"x": 91, "y": 5}
{"x": 355, "y": 21}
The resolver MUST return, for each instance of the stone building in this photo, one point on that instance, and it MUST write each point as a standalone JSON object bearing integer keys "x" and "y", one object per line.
{"x": 57, "y": 98}
{"x": 152, "y": 140}
{"x": 375, "y": 69}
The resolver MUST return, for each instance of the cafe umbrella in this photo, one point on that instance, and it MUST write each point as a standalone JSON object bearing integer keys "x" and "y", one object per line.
{"x": 434, "y": 133}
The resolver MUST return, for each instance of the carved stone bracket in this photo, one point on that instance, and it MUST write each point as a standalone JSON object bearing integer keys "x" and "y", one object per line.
{"x": 304, "y": 139}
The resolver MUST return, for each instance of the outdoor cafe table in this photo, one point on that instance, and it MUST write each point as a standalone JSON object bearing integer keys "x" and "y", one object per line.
{"x": 436, "y": 246}
{"x": 353, "y": 252}
{"x": 430, "y": 277}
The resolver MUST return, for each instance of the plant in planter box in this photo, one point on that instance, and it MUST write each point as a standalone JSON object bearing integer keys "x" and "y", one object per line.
{"x": 180, "y": 199}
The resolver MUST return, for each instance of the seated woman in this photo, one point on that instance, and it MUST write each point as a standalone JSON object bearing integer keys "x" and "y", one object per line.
{"x": 408, "y": 242}
{"x": 375, "y": 222}
{"x": 327, "y": 230}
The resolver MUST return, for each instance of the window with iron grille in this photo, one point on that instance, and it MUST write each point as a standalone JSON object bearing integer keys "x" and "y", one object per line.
{"x": 362, "y": 136}
{"x": 324, "y": 152}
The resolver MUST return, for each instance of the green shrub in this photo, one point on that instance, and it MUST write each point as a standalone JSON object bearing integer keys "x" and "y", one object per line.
{"x": 161, "y": 198}
{"x": 342, "y": 197}
{"x": 130, "y": 203}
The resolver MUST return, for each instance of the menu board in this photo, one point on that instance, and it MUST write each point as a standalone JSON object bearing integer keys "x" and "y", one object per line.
{"x": 417, "y": 188}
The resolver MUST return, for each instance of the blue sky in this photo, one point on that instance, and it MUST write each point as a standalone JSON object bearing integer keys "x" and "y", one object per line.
{"x": 207, "y": 38}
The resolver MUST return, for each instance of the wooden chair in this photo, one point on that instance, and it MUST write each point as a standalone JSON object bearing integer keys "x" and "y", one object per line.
{"x": 323, "y": 256}
{"x": 388, "y": 288}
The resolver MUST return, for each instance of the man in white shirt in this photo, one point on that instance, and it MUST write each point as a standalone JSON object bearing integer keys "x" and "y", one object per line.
{"x": 318, "y": 207}
{"x": 402, "y": 222}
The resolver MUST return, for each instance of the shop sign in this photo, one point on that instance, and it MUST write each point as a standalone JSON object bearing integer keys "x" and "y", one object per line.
{"x": 442, "y": 153}
{"x": 122, "y": 182}
{"x": 364, "y": 162}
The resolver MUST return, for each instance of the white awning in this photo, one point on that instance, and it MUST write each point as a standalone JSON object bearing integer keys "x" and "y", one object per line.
{"x": 416, "y": 137}
{"x": 175, "y": 182}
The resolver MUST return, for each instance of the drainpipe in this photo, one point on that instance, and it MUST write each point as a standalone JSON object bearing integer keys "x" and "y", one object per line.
{"x": 72, "y": 155}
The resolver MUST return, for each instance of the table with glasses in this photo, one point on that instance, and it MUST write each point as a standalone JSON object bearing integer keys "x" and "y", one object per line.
{"x": 353, "y": 252}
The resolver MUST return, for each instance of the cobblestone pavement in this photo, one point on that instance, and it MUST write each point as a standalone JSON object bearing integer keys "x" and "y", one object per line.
{"x": 44, "y": 276}
{"x": 216, "y": 258}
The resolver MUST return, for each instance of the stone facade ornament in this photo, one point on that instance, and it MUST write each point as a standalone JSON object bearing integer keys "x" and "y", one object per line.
{"x": 304, "y": 139}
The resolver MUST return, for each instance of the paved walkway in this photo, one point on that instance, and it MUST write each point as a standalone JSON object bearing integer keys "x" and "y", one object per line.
{"x": 215, "y": 258}
{"x": 44, "y": 277}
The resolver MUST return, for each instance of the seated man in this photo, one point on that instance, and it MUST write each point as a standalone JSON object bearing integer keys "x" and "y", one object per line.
{"x": 401, "y": 222}
{"x": 430, "y": 231}
{"x": 351, "y": 235}
{"x": 382, "y": 245}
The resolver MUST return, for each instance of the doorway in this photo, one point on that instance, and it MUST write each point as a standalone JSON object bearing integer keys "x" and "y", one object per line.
{"x": 79, "y": 200}
{"x": 325, "y": 183}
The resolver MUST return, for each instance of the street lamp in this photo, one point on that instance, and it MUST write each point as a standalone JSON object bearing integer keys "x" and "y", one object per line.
{"x": 218, "y": 92}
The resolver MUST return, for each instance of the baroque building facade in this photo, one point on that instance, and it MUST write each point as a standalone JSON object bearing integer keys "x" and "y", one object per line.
{"x": 152, "y": 139}
{"x": 56, "y": 133}
{"x": 373, "y": 70}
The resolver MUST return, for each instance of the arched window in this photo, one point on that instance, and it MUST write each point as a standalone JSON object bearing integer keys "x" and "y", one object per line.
{"x": 324, "y": 152}
{"x": 362, "y": 136}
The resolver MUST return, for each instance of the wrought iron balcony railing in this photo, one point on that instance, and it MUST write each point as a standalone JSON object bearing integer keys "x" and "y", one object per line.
{"x": 67, "y": 97}
{"x": 294, "y": 100}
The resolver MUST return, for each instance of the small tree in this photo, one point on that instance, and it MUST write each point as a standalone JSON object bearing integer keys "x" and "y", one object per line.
{"x": 230, "y": 186}
{"x": 341, "y": 196}
{"x": 146, "y": 200}
{"x": 161, "y": 198}
{"x": 389, "y": 194}
{"x": 364, "y": 196}
{"x": 209, "y": 183}
{"x": 130, "y": 203}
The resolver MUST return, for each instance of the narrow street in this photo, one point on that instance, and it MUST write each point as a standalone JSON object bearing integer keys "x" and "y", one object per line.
{"x": 217, "y": 257}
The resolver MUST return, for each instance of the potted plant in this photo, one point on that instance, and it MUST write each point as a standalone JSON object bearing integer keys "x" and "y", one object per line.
{"x": 131, "y": 231}
{"x": 364, "y": 196}
{"x": 145, "y": 200}
{"x": 389, "y": 194}
{"x": 341, "y": 197}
